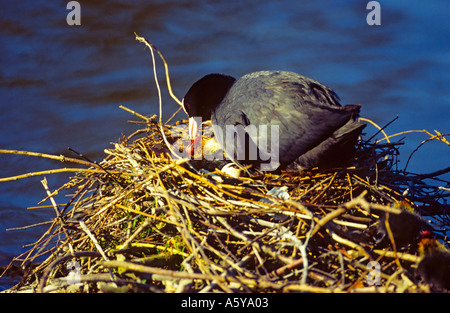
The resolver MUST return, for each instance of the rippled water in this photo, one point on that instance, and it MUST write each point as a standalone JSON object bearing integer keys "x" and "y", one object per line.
{"x": 62, "y": 85}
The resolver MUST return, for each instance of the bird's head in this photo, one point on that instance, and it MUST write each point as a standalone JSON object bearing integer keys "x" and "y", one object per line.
{"x": 203, "y": 98}
{"x": 428, "y": 244}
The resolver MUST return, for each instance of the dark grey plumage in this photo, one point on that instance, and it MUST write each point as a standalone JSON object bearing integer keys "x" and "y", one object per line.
{"x": 405, "y": 227}
{"x": 314, "y": 129}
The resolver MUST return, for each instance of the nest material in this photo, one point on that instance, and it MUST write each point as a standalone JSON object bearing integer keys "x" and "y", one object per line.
{"x": 140, "y": 221}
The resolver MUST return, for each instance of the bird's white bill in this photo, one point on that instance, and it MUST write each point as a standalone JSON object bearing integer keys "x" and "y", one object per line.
{"x": 193, "y": 128}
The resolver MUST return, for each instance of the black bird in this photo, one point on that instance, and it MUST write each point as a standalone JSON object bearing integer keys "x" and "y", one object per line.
{"x": 434, "y": 264}
{"x": 406, "y": 227}
{"x": 285, "y": 116}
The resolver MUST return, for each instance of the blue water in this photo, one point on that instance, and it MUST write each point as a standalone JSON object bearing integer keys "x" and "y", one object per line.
{"x": 62, "y": 85}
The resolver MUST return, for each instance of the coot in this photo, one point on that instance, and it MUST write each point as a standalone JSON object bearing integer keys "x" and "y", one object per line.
{"x": 275, "y": 118}
{"x": 434, "y": 264}
{"x": 405, "y": 227}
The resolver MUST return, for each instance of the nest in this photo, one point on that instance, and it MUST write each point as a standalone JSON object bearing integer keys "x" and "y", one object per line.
{"x": 143, "y": 221}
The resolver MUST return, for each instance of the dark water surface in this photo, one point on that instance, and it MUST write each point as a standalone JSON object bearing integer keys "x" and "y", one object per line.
{"x": 62, "y": 85}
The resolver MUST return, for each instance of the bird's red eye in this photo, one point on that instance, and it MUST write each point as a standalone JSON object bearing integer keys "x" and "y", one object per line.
{"x": 185, "y": 105}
